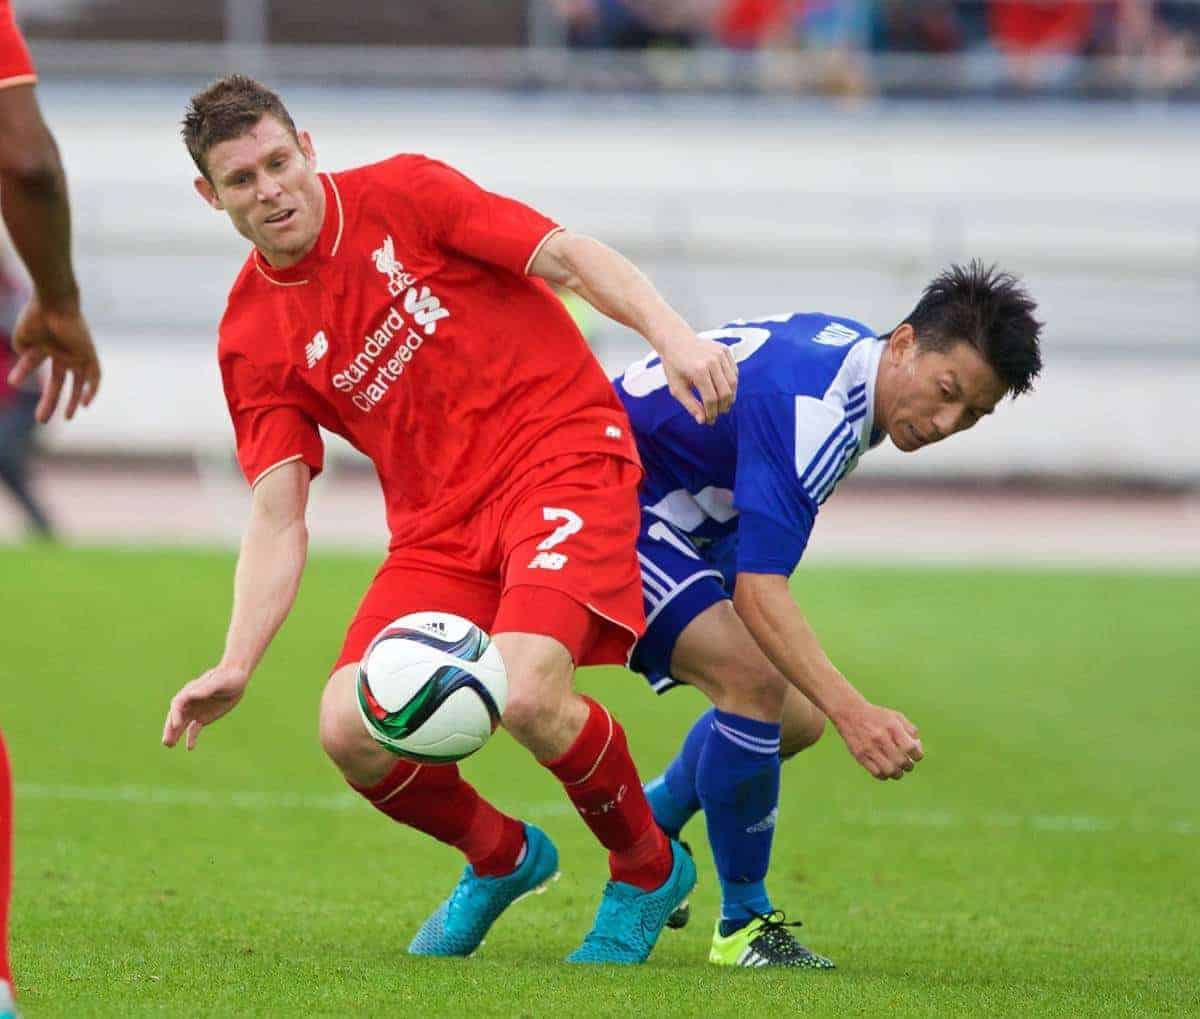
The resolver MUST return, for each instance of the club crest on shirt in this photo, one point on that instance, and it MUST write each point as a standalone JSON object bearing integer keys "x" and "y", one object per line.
{"x": 424, "y": 307}
{"x": 386, "y": 262}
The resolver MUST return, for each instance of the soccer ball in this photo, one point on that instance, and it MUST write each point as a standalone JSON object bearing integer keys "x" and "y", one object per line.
{"x": 432, "y": 687}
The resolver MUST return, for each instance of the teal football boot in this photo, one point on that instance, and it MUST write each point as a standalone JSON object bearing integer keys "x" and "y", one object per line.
{"x": 458, "y": 925}
{"x": 630, "y": 920}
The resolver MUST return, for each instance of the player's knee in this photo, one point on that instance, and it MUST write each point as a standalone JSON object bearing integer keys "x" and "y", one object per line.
{"x": 800, "y": 731}
{"x": 341, "y": 732}
{"x": 759, "y": 692}
{"x": 535, "y": 704}
{"x": 541, "y": 702}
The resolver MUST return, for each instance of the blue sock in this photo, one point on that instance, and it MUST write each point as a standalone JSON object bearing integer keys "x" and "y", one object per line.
{"x": 738, "y": 782}
{"x": 673, "y": 797}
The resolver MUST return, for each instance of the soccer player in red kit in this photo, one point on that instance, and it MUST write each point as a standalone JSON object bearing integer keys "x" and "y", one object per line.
{"x": 33, "y": 195}
{"x": 407, "y": 309}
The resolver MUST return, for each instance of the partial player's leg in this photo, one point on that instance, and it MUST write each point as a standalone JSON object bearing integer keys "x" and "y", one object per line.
{"x": 571, "y": 576}
{"x": 8, "y": 1007}
{"x": 506, "y": 859}
{"x": 729, "y": 763}
{"x": 737, "y": 782}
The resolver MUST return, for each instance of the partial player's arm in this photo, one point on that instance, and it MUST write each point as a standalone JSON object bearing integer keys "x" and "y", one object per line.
{"x": 33, "y": 193}
{"x": 785, "y": 445}
{"x": 882, "y": 741}
{"x": 616, "y": 287}
{"x": 272, "y": 557}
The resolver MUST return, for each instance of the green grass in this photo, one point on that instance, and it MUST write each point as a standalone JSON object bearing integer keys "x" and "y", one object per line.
{"x": 1041, "y": 861}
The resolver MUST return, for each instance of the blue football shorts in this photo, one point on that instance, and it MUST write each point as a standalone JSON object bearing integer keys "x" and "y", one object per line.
{"x": 681, "y": 577}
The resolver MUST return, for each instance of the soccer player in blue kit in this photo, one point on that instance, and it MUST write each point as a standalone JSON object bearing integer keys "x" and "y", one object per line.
{"x": 727, "y": 512}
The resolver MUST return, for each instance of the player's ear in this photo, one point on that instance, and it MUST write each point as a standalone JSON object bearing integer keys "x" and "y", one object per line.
{"x": 902, "y": 344}
{"x": 306, "y": 146}
{"x": 206, "y": 191}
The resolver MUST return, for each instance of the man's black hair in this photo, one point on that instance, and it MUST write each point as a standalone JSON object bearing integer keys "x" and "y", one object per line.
{"x": 989, "y": 309}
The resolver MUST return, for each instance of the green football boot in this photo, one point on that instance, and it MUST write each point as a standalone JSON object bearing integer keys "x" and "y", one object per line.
{"x": 764, "y": 941}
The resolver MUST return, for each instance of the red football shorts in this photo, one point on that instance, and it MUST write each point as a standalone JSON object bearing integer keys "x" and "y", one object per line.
{"x": 553, "y": 554}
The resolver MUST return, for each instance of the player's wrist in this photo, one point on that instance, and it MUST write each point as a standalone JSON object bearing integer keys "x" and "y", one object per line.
{"x": 844, "y": 705}
{"x": 235, "y": 670}
{"x": 59, "y": 300}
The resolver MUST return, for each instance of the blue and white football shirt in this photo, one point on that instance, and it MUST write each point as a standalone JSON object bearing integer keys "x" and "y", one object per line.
{"x": 802, "y": 418}
{"x": 742, "y": 495}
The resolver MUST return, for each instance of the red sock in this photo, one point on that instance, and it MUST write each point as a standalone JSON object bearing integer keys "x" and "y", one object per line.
{"x": 602, "y": 782}
{"x": 6, "y": 842}
{"x": 436, "y": 800}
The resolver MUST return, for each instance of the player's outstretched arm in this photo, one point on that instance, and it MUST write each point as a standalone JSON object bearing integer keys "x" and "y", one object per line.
{"x": 271, "y": 561}
{"x": 883, "y": 741}
{"x": 614, "y": 286}
{"x": 33, "y": 193}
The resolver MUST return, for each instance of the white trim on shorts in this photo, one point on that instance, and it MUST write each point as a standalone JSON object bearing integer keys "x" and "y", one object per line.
{"x": 672, "y": 590}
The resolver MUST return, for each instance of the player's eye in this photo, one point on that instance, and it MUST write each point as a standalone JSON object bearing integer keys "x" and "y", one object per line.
{"x": 947, "y": 392}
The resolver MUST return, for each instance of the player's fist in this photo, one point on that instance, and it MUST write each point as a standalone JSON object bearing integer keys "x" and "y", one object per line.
{"x": 882, "y": 740}
{"x": 60, "y": 334}
{"x": 697, "y": 366}
{"x": 201, "y": 702}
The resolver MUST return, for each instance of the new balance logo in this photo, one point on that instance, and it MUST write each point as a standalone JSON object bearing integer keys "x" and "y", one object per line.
{"x": 316, "y": 348}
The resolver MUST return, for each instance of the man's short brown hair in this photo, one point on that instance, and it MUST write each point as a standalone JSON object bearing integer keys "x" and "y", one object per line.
{"x": 227, "y": 109}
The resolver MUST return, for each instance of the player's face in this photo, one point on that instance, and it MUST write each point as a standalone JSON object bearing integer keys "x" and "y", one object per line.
{"x": 932, "y": 394}
{"x": 268, "y": 185}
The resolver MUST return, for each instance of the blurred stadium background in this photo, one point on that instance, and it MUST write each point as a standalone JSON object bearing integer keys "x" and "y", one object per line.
{"x": 751, "y": 155}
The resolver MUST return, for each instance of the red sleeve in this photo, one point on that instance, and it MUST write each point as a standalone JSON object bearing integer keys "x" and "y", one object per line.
{"x": 270, "y": 431}
{"x": 16, "y": 66}
{"x": 460, "y": 216}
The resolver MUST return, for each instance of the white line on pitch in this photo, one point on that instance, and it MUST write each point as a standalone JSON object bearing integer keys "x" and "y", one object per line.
{"x": 166, "y": 796}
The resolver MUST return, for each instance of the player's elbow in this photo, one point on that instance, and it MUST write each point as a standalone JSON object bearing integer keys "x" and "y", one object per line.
{"x": 32, "y": 162}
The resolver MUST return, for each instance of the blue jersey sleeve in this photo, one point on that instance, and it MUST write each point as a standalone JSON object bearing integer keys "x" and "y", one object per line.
{"x": 776, "y": 512}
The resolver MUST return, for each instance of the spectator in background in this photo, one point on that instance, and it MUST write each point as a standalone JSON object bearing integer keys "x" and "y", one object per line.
{"x": 17, "y": 407}
{"x": 832, "y": 35}
{"x": 632, "y": 24}
{"x": 919, "y": 26}
{"x": 1040, "y": 40}
{"x": 1155, "y": 44}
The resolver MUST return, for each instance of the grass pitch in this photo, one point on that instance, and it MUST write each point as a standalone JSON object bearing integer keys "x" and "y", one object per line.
{"x": 1042, "y": 860}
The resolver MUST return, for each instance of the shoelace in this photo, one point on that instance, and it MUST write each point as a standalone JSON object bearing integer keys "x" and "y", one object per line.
{"x": 773, "y": 925}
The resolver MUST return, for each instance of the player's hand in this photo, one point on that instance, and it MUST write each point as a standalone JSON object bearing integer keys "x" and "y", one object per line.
{"x": 694, "y": 365}
{"x": 60, "y": 335}
{"x": 883, "y": 741}
{"x": 201, "y": 702}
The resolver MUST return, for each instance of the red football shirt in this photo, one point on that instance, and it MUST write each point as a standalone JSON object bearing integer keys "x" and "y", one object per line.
{"x": 412, "y": 329}
{"x": 16, "y": 66}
